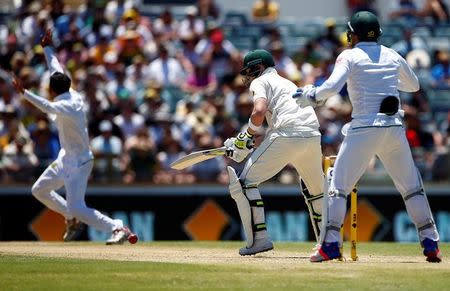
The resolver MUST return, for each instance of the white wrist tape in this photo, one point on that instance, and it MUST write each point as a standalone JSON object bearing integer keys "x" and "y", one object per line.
{"x": 253, "y": 126}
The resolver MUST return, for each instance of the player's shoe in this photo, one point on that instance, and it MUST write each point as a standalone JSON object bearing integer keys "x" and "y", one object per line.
{"x": 74, "y": 228}
{"x": 259, "y": 246}
{"x": 120, "y": 235}
{"x": 431, "y": 251}
{"x": 326, "y": 252}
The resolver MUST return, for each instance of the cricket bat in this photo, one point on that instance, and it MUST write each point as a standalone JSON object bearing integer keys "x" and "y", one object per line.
{"x": 197, "y": 157}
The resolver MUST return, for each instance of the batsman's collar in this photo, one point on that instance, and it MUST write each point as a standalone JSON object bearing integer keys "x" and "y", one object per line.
{"x": 269, "y": 70}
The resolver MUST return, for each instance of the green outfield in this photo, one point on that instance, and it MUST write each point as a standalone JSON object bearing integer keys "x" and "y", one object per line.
{"x": 214, "y": 265}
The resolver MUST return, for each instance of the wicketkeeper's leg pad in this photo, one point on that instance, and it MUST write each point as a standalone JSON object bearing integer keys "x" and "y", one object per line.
{"x": 419, "y": 210}
{"x": 333, "y": 211}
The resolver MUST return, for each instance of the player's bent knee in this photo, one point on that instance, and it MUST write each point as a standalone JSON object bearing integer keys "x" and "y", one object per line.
{"x": 37, "y": 191}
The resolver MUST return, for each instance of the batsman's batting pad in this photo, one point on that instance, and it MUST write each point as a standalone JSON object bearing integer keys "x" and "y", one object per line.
{"x": 314, "y": 215}
{"x": 326, "y": 184}
{"x": 257, "y": 207}
{"x": 242, "y": 203}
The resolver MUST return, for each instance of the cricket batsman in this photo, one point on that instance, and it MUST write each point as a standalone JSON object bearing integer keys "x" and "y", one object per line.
{"x": 293, "y": 137}
{"x": 374, "y": 76}
{"x": 75, "y": 160}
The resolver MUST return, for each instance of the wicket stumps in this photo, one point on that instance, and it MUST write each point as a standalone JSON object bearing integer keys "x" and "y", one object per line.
{"x": 328, "y": 162}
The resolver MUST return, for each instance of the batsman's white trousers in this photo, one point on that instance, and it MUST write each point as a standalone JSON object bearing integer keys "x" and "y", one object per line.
{"x": 389, "y": 144}
{"x": 275, "y": 152}
{"x": 75, "y": 179}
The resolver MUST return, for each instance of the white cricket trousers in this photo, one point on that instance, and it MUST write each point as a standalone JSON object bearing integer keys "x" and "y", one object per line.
{"x": 275, "y": 152}
{"x": 75, "y": 181}
{"x": 390, "y": 145}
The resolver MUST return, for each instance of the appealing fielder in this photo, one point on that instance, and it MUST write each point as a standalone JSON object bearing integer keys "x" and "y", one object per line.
{"x": 374, "y": 75}
{"x": 293, "y": 137}
{"x": 75, "y": 160}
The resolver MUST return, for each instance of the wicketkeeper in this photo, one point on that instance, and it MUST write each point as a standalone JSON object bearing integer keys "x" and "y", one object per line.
{"x": 374, "y": 76}
{"x": 293, "y": 137}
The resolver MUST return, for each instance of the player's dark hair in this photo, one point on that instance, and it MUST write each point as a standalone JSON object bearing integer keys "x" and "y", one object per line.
{"x": 60, "y": 83}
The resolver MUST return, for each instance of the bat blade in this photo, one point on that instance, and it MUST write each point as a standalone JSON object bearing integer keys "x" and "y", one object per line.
{"x": 197, "y": 157}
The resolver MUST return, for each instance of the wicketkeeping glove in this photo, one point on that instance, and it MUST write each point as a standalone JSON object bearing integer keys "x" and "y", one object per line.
{"x": 306, "y": 96}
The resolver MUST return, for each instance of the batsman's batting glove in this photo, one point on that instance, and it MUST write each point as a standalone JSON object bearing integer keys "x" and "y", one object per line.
{"x": 236, "y": 154}
{"x": 306, "y": 96}
{"x": 244, "y": 140}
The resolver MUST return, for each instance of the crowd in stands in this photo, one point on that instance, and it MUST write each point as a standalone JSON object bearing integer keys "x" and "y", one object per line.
{"x": 160, "y": 85}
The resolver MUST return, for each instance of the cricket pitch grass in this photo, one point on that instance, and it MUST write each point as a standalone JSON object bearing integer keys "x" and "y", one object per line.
{"x": 215, "y": 265}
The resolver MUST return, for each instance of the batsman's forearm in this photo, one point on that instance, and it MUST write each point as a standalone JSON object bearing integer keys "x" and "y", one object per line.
{"x": 52, "y": 62}
{"x": 257, "y": 119}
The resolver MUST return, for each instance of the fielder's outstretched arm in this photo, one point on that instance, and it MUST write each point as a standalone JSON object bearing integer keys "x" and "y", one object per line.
{"x": 52, "y": 61}
{"x": 55, "y": 107}
{"x": 50, "y": 56}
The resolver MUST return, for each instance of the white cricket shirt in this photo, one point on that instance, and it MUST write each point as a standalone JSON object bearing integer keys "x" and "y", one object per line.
{"x": 283, "y": 113}
{"x": 67, "y": 112}
{"x": 372, "y": 72}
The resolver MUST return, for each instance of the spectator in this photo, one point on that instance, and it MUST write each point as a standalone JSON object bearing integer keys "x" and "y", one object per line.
{"x": 201, "y": 81}
{"x": 7, "y": 95}
{"x": 440, "y": 72}
{"x": 437, "y": 10}
{"x": 329, "y": 39}
{"x": 404, "y": 10}
{"x": 188, "y": 56}
{"x": 7, "y": 52}
{"x": 271, "y": 35}
{"x": 409, "y": 43}
{"x": 284, "y": 65}
{"x": 128, "y": 120}
{"x": 18, "y": 61}
{"x": 166, "y": 70}
{"x": 141, "y": 159}
{"x": 129, "y": 45}
{"x": 131, "y": 20}
{"x": 46, "y": 143}
{"x": 207, "y": 9}
{"x": 265, "y": 11}
{"x": 136, "y": 77}
{"x": 191, "y": 25}
{"x": 117, "y": 87}
{"x": 98, "y": 52}
{"x": 165, "y": 27}
{"x": 10, "y": 126}
{"x": 107, "y": 150}
{"x": 360, "y": 5}
{"x": 19, "y": 161}
{"x": 220, "y": 53}
{"x": 153, "y": 104}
